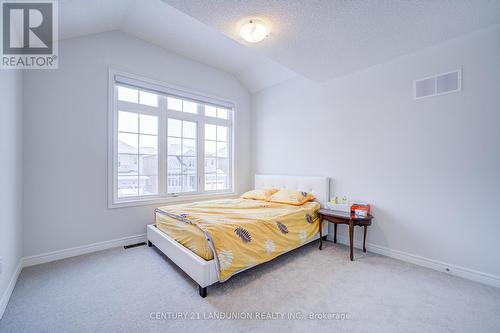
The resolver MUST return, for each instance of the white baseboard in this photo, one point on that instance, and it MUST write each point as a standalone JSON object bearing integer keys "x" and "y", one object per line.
{"x": 79, "y": 250}
{"x": 466, "y": 273}
{"x": 10, "y": 288}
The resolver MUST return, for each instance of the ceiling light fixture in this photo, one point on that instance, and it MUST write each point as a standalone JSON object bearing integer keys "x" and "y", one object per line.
{"x": 253, "y": 31}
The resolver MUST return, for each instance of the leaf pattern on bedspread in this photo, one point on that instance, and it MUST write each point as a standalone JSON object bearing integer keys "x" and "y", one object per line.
{"x": 243, "y": 234}
{"x": 282, "y": 227}
{"x": 225, "y": 259}
{"x": 270, "y": 247}
{"x": 309, "y": 219}
{"x": 302, "y": 236}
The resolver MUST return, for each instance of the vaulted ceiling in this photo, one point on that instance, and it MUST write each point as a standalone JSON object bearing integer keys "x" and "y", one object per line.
{"x": 316, "y": 39}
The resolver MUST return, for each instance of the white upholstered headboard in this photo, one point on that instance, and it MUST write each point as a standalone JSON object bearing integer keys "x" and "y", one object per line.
{"x": 319, "y": 186}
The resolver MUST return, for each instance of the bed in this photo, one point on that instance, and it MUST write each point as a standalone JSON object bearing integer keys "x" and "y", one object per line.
{"x": 250, "y": 232}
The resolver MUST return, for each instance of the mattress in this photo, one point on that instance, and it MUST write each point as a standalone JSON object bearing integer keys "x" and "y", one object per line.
{"x": 239, "y": 233}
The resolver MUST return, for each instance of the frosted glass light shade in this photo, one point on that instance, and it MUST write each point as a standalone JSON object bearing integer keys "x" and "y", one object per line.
{"x": 253, "y": 31}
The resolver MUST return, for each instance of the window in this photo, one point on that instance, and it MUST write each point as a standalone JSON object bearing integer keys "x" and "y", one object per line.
{"x": 181, "y": 150}
{"x": 212, "y": 111}
{"x": 216, "y": 157}
{"x": 137, "y": 154}
{"x": 167, "y": 143}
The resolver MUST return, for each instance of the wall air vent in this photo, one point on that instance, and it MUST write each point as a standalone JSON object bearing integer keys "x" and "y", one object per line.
{"x": 440, "y": 84}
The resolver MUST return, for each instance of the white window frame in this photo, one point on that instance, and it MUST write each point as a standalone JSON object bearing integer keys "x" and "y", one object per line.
{"x": 162, "y": 88}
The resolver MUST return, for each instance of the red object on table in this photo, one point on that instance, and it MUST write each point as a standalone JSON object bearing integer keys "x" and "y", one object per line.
{"x": 360, "y": 207}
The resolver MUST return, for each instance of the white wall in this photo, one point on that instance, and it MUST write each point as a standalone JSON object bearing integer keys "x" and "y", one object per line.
{"x": 66, "y": 135}
{"x": 430, "y": 167}
{"x": 11, "y": 171}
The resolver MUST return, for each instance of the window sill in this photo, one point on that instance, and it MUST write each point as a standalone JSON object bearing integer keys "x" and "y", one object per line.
{"x": 170, "y": 200}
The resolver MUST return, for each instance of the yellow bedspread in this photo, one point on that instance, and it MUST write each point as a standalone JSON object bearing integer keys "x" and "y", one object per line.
{"x": 243, "y": 233}
{"x": 188, "y": 235}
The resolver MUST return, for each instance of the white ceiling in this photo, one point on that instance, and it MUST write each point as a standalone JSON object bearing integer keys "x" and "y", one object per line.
{"x": 322, "y": 39}
{"x": 317, "y": 39}
{"x": 156, "y": 22}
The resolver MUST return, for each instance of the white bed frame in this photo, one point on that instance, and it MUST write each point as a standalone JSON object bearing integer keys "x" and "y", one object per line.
{"x": 205, "y": 272}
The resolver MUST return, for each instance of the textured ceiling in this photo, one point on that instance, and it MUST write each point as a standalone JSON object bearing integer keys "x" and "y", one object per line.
{"x": 158, "y": 23}
{"x": 169, "y": 28}
{"x": 317, "y": 39}
{"x": 322, "y": 39}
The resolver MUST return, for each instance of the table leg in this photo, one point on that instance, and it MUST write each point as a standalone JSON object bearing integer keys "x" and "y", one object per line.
{"x": 351, "y": 236}
{"x": 364, "y": 238}
{"x": 320, "y": 233}
{"x": 335, "y": 233}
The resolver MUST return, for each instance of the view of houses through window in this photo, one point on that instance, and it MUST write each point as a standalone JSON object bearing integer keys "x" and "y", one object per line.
{"x": 137, "y": 154}
{"x": 161, "y": 141}
{"x": 216, "y": 157}
{"x": 181, "y": 148}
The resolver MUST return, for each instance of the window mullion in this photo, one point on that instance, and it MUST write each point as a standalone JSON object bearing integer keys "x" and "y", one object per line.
{"x": 162, "y": 147}
{"x": 138, "y": 156}
{"x": 201, "y": 152}
{"x": 115, "y": 144}
{"x": 230, "y": 155}
{"x": 137, "y": 108}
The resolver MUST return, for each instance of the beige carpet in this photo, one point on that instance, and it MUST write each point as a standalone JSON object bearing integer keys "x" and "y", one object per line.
{"x": 139, "y": 290}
